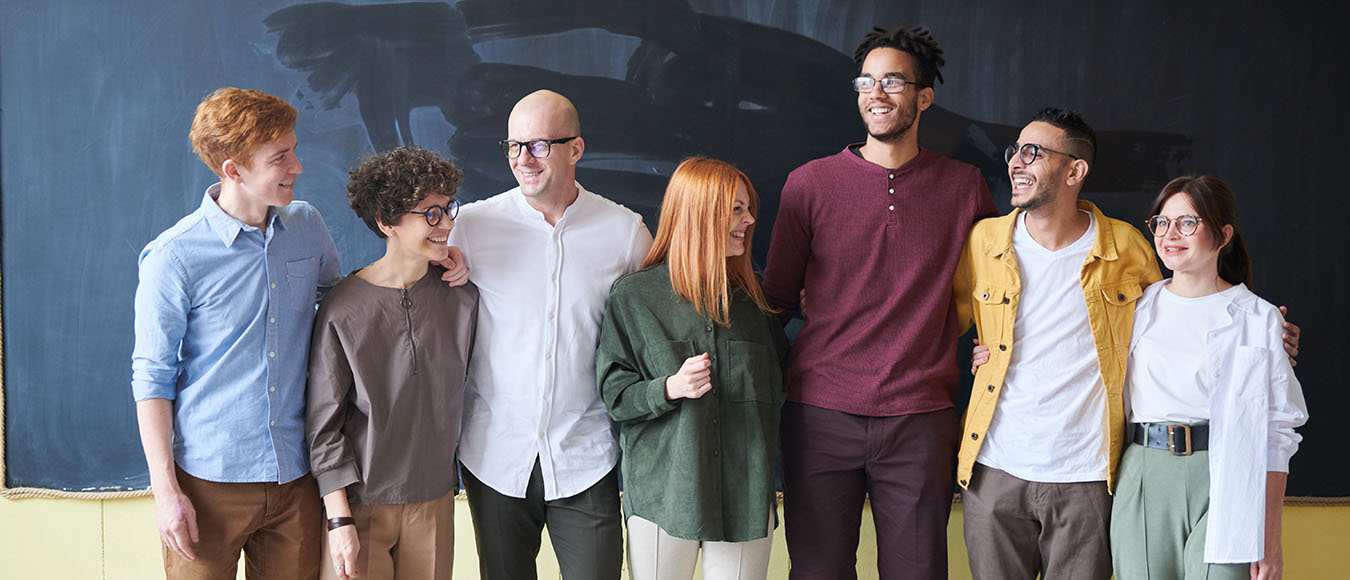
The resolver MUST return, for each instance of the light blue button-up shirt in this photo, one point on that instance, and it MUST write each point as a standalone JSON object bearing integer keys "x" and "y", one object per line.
{"x": 223, "y": 318}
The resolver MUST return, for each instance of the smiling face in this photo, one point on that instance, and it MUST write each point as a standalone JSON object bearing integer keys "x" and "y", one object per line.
{"x": 1035, "y": 185}
{"x": 1193, "y": 254}
{"x": 411, "y": 236}
{"x": 741, "y": 220}
{"x": 890, "y": 116}
{"x": 545, "y": 116}
{"x": 270, "y": 176}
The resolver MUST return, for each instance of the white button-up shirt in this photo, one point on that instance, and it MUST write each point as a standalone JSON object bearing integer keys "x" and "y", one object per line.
{"x": 1255, "y": 404}
{"x": 531, "y": 388}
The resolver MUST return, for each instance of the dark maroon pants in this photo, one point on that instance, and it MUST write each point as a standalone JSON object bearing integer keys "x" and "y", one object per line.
{"x": 833, "y": 460}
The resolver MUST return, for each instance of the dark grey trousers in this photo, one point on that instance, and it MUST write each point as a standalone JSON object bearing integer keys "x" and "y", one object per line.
{"x": 1017, "y": 529}
{"x": 586, "y": 529}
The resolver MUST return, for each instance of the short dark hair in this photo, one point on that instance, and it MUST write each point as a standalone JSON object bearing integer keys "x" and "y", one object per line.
{"x": 389, "y": 184}
{"x": 917, "y": 41}
{"x": 1080, "y": 135}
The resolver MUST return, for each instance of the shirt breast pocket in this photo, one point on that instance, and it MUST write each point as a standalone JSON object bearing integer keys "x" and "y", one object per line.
{"x": 302, "y": 282}
{"x": 664, "y": 358}
{"x": 754, "y": 373}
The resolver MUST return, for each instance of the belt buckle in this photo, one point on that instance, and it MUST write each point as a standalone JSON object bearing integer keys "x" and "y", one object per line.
{"x": 1172, "y": 431}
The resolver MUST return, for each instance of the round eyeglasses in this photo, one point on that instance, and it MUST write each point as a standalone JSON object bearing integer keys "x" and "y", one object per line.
{"x": 865, "y": 84}
{"x": 1186, "y": 224}
{"x": 538, "y": 148}
{"x": 1029, "y": 152}
{"x": 436, "y": 213}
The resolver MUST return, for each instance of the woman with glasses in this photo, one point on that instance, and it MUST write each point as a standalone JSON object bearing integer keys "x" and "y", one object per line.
{"x": 1212, "y": 402}
{"x": 689, "y": 364}
{"x": 388, "y": 358}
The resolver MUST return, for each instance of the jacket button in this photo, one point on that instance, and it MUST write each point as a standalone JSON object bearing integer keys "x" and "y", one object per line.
{"x": 1005, "y": 299}
{"x": 991, "y": 388}
{"x": 975, "y": 436}
{"x": 984, "y": 296}
{"x": 963, "y": 482}
{"x": 1120, "y": 297}
{"x": 1003, "y": 347}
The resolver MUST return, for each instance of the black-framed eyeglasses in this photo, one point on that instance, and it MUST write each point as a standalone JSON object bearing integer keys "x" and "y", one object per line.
{"x": 865, "y": 84}
{"x": 538, "y": 148}
{"x": 1029, "y": 153}
{"x": 1186, "y": 224}
{"x": 436, "y": 213}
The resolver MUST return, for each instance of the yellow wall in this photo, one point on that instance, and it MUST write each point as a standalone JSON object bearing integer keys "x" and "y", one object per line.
{"x": 50, "y": 539}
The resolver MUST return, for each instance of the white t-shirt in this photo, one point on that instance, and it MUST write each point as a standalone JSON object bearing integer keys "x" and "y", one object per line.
{"x": 1169, "y": 374}
{"x": 1050, "y": 422}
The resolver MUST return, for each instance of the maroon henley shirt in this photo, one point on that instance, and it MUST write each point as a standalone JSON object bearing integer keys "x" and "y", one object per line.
{"x": 876, "y": 250}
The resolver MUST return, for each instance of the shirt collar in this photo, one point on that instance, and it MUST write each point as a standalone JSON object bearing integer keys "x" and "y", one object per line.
{"x": 226, "y": 226}
{"x": 578, "y": 205}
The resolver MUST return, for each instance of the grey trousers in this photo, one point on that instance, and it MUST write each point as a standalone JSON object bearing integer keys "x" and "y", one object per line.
{"x": 586, "y": 529}
{"x": 1017, "y": 529}
{"x": 1161, "y": 515}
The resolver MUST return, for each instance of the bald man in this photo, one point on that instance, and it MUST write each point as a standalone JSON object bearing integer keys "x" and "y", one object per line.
{"x": 537, "y": 447}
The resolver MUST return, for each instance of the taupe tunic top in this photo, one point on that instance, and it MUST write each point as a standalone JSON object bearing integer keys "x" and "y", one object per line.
{"x": 386, "y": 388}
{"x": 702, "y": 469}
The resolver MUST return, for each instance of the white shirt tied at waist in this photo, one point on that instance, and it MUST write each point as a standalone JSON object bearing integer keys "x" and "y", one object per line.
{"x": 531, "y": 389}
{"x": 1255, "y": 405}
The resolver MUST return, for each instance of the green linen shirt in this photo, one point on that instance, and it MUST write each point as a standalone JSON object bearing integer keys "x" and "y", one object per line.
{"x": 701, "y": 469}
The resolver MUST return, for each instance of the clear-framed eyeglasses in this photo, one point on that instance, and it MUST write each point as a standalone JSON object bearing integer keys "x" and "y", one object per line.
{"x": 538, "y": 148}
{"x": 436, "y": 213}
{"x": 1186, "y": 224}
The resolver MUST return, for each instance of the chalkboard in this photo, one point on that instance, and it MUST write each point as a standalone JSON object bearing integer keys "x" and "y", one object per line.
{"x": 96, "y": 99}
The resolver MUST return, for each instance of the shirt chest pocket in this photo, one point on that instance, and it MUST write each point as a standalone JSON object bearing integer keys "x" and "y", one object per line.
{"x": 753, "y": 374}
{"x": 302, "y": 282}
{"x": 664, "y": 358}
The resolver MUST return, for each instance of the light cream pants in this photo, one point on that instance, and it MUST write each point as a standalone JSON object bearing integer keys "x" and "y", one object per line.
{"x": 655, "y": 555}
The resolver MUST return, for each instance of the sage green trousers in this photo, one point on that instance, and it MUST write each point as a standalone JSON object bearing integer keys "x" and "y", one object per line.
{"x": 1159, "y": 517}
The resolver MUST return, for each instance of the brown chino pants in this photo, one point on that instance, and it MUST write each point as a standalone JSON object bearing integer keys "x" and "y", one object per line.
{"x": 1017, "y": 529}
{"x": 278, "y": 526}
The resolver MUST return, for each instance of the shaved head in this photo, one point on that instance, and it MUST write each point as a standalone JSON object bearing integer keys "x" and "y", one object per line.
{"x": 549, "y": 107}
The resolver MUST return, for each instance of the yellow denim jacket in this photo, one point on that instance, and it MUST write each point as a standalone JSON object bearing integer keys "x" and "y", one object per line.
{"x": 987, "y": 286}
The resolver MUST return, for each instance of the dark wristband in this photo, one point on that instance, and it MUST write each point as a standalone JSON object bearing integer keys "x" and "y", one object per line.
{"x": 335, "y": 523}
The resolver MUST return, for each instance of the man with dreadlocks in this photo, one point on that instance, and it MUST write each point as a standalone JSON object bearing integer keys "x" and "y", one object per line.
{"x": 872, "y": 235}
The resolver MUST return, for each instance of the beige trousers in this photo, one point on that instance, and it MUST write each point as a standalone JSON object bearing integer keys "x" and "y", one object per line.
{"x": 402, "y": 541}
{"x": 655, "y": 555}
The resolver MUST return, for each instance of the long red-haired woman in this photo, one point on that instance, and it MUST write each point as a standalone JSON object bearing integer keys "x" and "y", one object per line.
{"x": 689, "y": 364}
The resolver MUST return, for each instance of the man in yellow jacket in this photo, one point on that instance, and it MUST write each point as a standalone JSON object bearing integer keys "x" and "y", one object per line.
{"x": 1051, "y": 288}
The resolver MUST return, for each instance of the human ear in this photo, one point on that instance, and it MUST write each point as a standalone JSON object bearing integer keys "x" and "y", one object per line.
{"x": 925, "y": 98}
